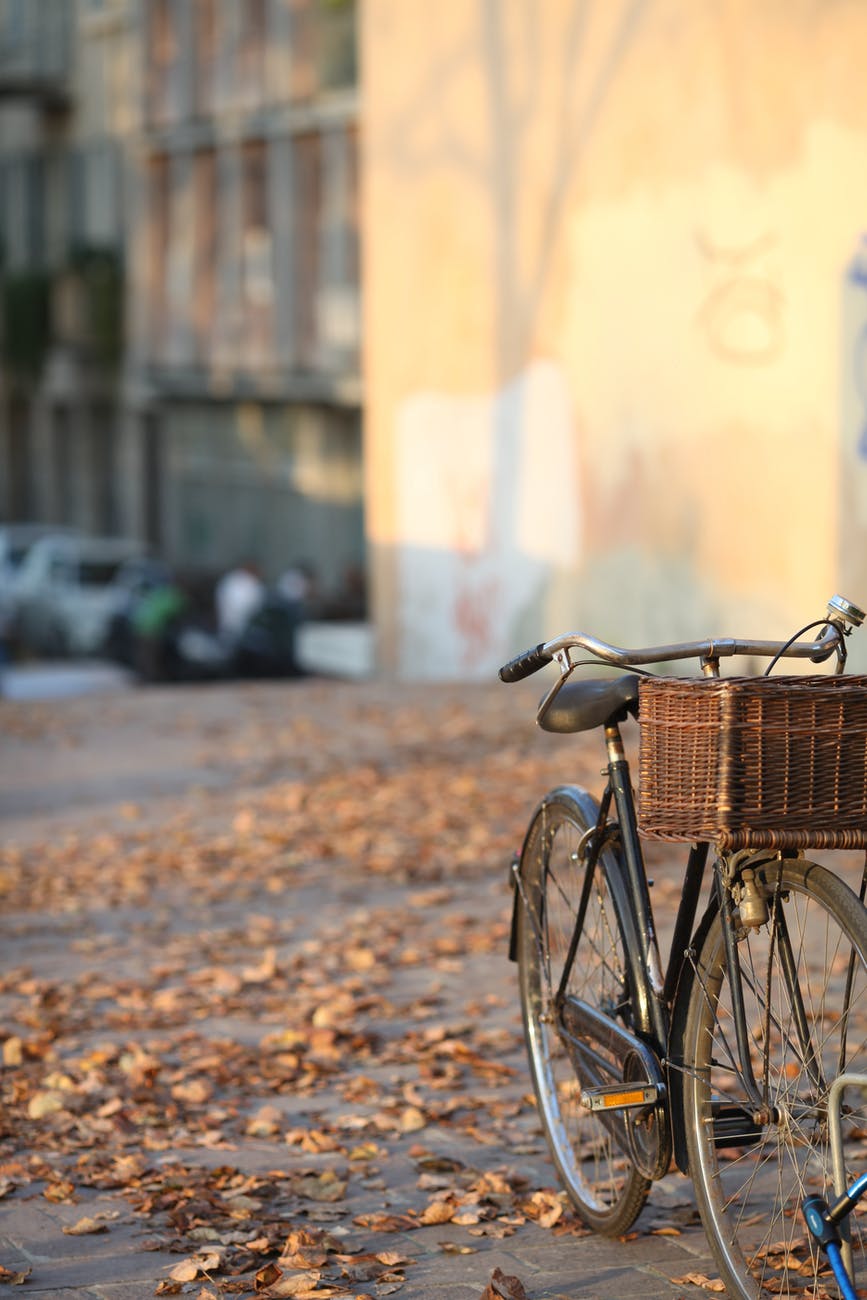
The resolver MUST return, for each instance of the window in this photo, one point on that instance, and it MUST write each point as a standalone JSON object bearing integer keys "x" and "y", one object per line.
{"x": 205, "y": 251}
{"x": 252, "y": 50}
{"x": 335, "y": 44}
{"x": 158, "y": 252}
{"x": 161, "y": 55}
{"x": 308, "y": 207}
{"x": 206, "y": 55}
{"x": 257, "y": 270}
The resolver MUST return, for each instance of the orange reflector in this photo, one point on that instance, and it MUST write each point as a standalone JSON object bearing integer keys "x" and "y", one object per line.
{"x": 634, "y": 1098}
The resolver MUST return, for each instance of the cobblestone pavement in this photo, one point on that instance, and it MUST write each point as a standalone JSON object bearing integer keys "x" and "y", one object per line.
{"x": 255, "y": 983}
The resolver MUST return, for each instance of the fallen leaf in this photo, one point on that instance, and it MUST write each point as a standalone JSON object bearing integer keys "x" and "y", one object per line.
{"x": 84, "y": 1227}
{"x": 299, "y": 1285}
{"x": 10, "y": 1277}
{"x": 503, "y": 1287}
{"x": 437, "y": 1212}
{"x": 45, "y": 1103}
{"x": 13, "y": 1051}
{"x": 699, "y": 1279}
{"x": 320, "y": 1187}
{"x": 381, "y": 1222}
{"x": 267, "y": 1276}
{"x": 265, "y": 1123}
{"x": 411, "y": 1120}
{"x": 189, "y": 1269}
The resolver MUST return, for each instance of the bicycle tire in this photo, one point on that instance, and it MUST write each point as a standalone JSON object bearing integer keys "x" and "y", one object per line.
{"x": 604, "y": 1186}
{"x": 750, "y": 1177}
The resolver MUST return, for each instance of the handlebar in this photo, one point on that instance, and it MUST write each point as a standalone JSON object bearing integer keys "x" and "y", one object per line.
{"x": 841, "y": 617}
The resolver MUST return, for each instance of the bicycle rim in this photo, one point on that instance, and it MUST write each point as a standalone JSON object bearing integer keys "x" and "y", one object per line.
{"x": 604, "y": 1186}
{"x": 751, "y": 1171}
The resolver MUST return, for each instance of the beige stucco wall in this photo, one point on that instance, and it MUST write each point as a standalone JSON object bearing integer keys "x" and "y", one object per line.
{"x": 612, "y": 354}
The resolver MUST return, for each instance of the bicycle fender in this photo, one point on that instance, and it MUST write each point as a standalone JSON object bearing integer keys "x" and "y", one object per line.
{"x": 674, "y": 1055}
{"x": 590, "y": 810}
{"x": 589, "y": 807}
{"x": 514, "y": 871}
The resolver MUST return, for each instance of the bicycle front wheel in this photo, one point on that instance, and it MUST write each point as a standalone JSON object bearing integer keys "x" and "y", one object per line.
{"x": 804, "y": 980}
{"x": 603, "y": 1184}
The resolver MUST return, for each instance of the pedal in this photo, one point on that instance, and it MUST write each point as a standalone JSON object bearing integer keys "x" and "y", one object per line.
{"x": 622, "y": 1096}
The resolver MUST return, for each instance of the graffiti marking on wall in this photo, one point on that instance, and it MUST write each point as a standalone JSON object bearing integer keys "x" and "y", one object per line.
{"x": 487, "y": 509}
{"x": 742, "y": 315}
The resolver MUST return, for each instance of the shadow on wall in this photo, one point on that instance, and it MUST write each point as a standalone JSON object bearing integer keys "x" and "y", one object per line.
{"x": 488, "y": 505}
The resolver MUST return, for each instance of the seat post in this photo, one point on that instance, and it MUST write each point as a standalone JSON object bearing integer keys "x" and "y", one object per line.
{"x": 650, "y": 1007}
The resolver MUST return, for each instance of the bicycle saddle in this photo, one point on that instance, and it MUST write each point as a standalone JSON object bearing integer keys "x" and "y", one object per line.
{"x": 580, "y": 706}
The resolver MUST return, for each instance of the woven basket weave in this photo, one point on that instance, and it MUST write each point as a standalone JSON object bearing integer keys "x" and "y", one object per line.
{"x": 764, "y": 762}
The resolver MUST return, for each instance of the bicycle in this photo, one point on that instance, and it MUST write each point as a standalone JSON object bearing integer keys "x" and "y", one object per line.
{"x": 723, "y": 1061}
{"x": 829, "y": 1225}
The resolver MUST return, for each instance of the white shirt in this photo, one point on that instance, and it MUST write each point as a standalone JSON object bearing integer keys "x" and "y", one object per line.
{"x": 237, "y": 596}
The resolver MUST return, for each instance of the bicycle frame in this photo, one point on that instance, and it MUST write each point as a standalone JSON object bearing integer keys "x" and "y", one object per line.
{"x": 659, "y": 1001}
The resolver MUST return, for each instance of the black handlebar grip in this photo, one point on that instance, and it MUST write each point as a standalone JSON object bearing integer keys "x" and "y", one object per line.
{"x": 525, "y": 664}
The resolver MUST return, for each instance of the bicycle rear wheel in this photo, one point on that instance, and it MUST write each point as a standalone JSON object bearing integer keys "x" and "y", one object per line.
{"x": 804, "y": 978}
{"x": 606, "y": 1189}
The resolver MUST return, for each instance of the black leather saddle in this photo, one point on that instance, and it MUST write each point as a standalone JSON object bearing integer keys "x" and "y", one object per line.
{"x": 580, "y": 706}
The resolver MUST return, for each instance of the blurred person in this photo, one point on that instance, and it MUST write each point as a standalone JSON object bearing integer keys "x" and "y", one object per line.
{"x": 297, "y": 586}
{"x": 156, "y": 621}
{"x": 237, "y": 597}
{"x": 268, "y": 645}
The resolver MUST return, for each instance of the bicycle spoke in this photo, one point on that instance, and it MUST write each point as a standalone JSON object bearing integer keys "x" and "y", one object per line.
{"x": 799, "y": 1001}
{"x": 603, "y": 1184}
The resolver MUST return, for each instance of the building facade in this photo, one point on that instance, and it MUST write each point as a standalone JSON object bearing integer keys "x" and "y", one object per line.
{"x": 634, "y": 400}
{"x": 192, "y": 168}
{"x": 614, "y": 304}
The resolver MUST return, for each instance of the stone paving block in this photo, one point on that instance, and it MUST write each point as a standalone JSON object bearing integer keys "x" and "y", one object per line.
{"x": 84, "y": 1272}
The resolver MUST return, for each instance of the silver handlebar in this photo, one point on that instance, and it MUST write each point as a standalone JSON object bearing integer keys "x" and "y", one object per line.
{"x": 842, "y": 615}
{"x": 706, "y": 651}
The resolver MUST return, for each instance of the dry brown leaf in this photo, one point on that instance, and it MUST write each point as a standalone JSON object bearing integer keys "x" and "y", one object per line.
{"x": 437, "y": 1212}
{"x": 699, "y": 1279}
{"x": 60, "y": 1190}
{"x": 411, "y": 1120}
{"x": 504, "y": 1287}
{"x": 84, "y": 1227}
{"x": 267, "y": 1276}
{"x": 265, "y": 1123}
{"x": 45, "y": 1103}
{"x": 391, "y": 1258}
{"x": 265, "y": 971}
{"x": 320, "y": 1187}
{"x": 381, "y": 1222}
{"x": 11, "y": 1277}
{"x": 194, "y": 1091}
{"x": 299, "y": 1285}
{"x": 189, "y": 1269}
{"x": 13, "y": 1051}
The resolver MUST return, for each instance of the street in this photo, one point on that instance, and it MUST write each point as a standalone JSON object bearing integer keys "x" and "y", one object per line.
{"x": 260, "y": 1033}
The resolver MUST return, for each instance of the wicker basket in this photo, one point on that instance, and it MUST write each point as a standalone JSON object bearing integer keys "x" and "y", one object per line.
{"x": 764, "y": 762}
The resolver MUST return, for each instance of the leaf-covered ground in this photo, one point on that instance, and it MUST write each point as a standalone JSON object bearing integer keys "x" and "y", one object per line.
{"x": 256, "y": 1017}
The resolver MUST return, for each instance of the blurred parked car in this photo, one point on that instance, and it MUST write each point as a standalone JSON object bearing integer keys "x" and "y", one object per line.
{"x": 68, "y": 589}
{"x": 16, "y": 541}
